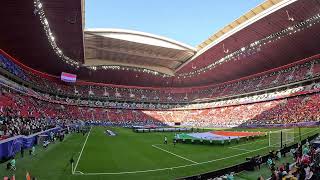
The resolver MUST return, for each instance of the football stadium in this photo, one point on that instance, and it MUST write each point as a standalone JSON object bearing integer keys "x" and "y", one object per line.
{"x": 100, "y": 103}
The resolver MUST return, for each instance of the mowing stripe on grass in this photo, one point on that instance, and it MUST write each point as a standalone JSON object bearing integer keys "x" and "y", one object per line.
{"x": 182, "y": 166}
{"x": 171, "y": 168}
{"x": 84, "y": 144}
{"x": 250, "y": 143}
{"x": 155, "y": 146}
{"x": 72, "y": 168}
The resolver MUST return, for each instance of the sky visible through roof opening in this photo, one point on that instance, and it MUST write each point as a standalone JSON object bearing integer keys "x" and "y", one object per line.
{"x": 187, "y": 21}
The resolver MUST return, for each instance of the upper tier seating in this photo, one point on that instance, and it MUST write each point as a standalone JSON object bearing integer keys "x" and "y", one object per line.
{"x": 302, "y": 70}
{"x": 12, "y": 67}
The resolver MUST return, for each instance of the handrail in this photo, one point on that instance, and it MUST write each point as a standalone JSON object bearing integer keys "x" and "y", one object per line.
{"x": 29, "y": 136}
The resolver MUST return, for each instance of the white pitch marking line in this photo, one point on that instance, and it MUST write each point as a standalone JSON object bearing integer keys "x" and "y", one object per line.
{"x": 182, "y": 166}
{"x": 176, "y": 167}
{"x": 171, "y": 168}
{"x": 79, "y": 172}
{"x": 174, "y": 154}
{"x": 84, "y": 144}
{"x": 72, "y": 169}
{"x": 239, "y": 149}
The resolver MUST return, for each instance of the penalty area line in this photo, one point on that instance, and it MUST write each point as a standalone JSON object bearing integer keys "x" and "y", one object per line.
{"x": 155, "y": 146}
{"x": 84, "y": 144}
{"x": 239, "y": 149}
{"x": 78, "y": 172}
{"x": 170, "y": 168}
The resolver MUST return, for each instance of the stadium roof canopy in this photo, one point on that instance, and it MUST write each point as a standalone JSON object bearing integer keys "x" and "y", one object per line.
{"x": 49, "y": 36}
{"x": 246, "y": 18}
{"x": 107, "y": 47}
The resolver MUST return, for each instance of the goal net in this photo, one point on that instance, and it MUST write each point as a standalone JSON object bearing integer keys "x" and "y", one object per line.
{"x": 281, "y": 137}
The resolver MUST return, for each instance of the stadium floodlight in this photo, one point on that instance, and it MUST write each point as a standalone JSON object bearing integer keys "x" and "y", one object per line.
{"x": 39, "y": 5}
{"x": 38, "y": 9}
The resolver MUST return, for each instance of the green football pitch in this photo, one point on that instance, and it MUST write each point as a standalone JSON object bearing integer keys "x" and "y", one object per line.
{"x": 134, "y": 156}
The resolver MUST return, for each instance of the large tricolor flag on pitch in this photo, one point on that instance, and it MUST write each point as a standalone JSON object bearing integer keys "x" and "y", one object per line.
{"x": 67, "y": 77}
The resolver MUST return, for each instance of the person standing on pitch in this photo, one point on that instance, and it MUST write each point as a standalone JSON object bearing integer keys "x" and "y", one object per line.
{"x": 165, "y": 140}
{"x": 22, "y": 151}
{"x": 174, "y": 142}
{"x": 71, "y": 163}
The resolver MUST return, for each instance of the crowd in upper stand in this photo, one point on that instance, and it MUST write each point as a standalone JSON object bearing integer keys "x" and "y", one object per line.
{"x": 25, "y": 111}
{"x": 303, "y": 70}
{"x": 12, "y": 67}
{"x": 285, "y": 76}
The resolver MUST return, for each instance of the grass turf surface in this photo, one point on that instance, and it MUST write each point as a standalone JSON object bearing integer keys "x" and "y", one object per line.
{"x": 133, "y": 156}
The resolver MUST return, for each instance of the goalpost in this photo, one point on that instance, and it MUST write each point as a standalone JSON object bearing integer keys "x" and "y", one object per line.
{"x": 281, "y": 137}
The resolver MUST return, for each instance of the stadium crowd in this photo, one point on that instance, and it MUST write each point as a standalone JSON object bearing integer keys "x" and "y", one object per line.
{"x": 305, "y": 165}
{"x": 13, "y": 126}
{"x": 25, "y": 111}
{"x": 301, "y": 70}
{"x": 268, "y": 80}
{"x": 18, "y": 110}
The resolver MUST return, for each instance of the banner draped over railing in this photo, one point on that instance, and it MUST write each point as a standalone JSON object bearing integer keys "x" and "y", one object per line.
{"x": 9, "y": 147}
